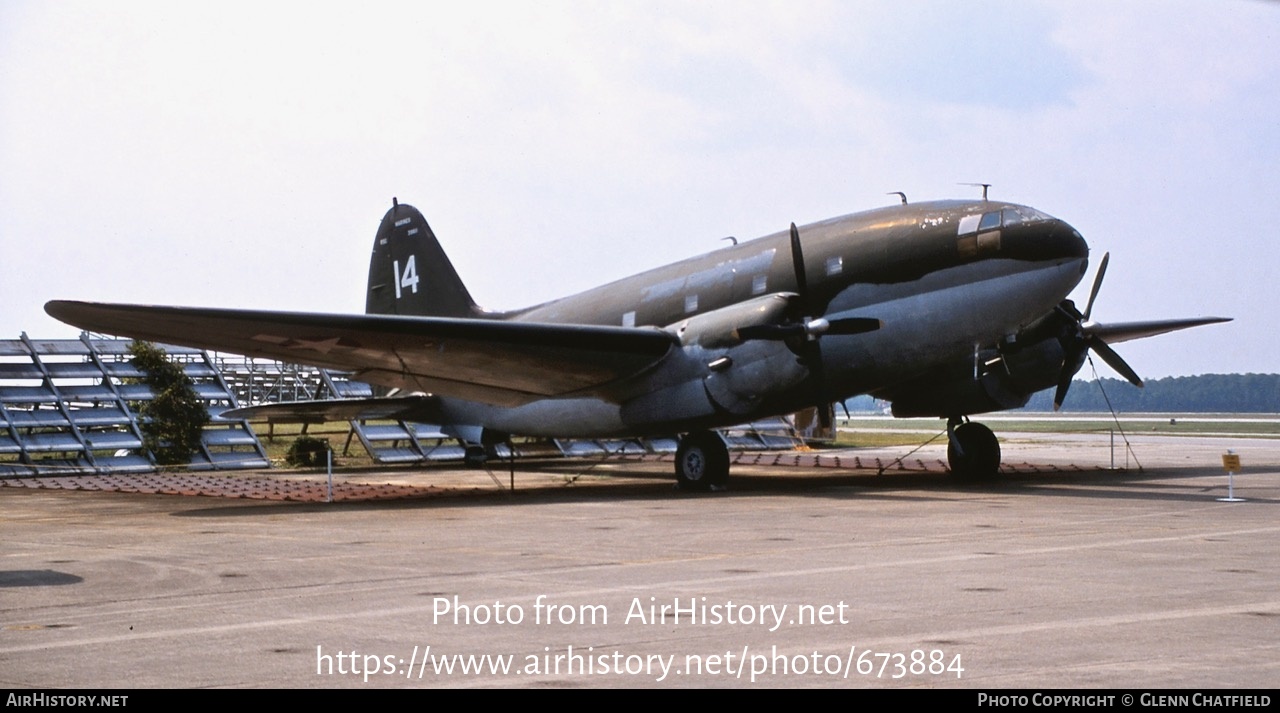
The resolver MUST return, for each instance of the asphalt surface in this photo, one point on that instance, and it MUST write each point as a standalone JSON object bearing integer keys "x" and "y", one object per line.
{"x": 1062, "y": 573}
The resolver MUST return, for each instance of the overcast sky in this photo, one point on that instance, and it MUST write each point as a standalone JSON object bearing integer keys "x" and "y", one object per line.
{"x": 242, "y": 154}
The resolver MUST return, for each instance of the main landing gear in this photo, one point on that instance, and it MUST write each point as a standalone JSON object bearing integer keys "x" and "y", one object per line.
{"x": 702, "y": 462}
{"x": 476, "y": 456}
{"x": 972, "y": 449}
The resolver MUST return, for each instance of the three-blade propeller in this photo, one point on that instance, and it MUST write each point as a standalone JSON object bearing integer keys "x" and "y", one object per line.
{"x": 809, "y": 329}
{"x": 809, "y": 326}
{"x": 1084, "y": 335}
{"x": 1083, "y": 338}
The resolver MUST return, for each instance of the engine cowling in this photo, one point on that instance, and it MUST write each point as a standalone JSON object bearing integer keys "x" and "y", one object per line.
{"x": 723, "y": 374}
{"x": 1008, "y": 381}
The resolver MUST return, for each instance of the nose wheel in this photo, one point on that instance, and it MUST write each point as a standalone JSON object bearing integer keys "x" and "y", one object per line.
{"x": 972, "y": 450}
{"x": 702, "y": 462}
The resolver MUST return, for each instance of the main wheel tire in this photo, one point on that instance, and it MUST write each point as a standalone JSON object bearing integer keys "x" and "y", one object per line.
{"x": 476, "y": 457}
{"x": 974, "y": 452}
{"x": 702, "y": 462}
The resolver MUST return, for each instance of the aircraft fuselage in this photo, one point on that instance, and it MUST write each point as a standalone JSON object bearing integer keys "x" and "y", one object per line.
{"x": 946, "y": 279}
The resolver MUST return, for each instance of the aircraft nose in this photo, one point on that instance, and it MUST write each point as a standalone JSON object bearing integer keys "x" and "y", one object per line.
{"x": 1045, "y": 240}
{"x": 1070, "y": 241}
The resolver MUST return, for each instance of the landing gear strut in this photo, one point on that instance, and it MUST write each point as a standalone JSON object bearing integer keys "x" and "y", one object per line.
{"x": 702, "y": 462}
{"x": 972, "y": 450}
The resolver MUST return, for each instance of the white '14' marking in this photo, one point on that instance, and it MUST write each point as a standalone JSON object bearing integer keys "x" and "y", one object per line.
{"x": 408, "y": 279}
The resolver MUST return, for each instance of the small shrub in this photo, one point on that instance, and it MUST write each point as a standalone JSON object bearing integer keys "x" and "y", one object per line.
{"x": 307, "y": 452}
{"x": 173, "y": 422}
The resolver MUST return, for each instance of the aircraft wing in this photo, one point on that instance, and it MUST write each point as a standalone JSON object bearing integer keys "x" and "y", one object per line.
{"x": 497, "y": 362}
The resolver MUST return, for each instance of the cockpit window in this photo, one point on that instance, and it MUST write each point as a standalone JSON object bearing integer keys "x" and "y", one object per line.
{"x": 1012, "y": 215}
{"x": 1023, "y": 214}
{"x": 980, "y": 234}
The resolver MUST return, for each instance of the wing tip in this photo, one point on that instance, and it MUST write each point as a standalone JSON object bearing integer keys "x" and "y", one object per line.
{"x": 62, "y": 310}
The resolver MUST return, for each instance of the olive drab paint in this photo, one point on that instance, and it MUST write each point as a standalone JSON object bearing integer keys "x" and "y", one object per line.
{"x": 409, "y": 274}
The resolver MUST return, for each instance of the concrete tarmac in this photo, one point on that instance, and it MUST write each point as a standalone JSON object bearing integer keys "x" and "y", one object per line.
{"x": 1062, "y": 573}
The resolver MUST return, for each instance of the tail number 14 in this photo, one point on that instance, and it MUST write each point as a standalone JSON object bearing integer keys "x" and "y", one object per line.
{"x": 409, "y": 278}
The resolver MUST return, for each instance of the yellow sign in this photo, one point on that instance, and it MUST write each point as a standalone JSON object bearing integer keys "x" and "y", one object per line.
{"x": 1231, "y": 462}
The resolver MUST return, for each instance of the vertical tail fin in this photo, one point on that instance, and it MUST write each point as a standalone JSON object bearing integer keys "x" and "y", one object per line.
{"x": 409, "y": 274}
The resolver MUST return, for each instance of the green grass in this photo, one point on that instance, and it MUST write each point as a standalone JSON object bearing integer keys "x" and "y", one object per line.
{"x": 335, "y": 433}
{"x": 871, "y": 432}
{"x": 1174, "y": 424}
{"x": 851, "y": 437}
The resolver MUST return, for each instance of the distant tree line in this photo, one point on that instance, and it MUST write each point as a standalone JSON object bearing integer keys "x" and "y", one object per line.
{"x": 1207, "y": 393}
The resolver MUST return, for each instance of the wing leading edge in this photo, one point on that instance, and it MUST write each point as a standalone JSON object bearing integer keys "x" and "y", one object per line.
{"x": 497, "y": 362}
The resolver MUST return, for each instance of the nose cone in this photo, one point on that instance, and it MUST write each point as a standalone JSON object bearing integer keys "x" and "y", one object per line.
{"x": 1047, "y": 240}
{"x": 1069, "y": 240}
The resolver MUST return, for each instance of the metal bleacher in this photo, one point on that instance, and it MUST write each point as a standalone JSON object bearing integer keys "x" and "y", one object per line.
{"x": 68, "y": 406}
{"x": 391, "y": 441}
{"x": 258, "y": 381}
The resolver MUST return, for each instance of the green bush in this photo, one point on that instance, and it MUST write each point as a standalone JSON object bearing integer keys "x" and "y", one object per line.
{"x": 306, "y": 452}
{"x": 172, "y": 422}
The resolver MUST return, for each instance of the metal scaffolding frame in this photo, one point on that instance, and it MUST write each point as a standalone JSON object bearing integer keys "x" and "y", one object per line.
{"x": 70, "y": 406}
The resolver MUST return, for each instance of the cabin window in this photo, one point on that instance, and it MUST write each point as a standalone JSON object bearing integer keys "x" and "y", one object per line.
{"x": 758, "y": 284}
{"x": 835, "y": 265}
{"x": 690, "y": 304}
{"x": 629, "y": 319}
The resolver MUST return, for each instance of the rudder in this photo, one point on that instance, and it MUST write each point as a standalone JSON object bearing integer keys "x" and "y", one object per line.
{"x": 409, "y": 274}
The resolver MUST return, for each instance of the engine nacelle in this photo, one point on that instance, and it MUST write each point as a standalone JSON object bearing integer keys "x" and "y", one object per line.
{"x": 1007, "y": 383}
{"x": 725, "y": 376}
{"x": 719, "y": 329}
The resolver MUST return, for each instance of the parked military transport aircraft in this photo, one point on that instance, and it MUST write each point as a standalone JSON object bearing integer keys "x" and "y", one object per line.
{"x": 947, "y": 308}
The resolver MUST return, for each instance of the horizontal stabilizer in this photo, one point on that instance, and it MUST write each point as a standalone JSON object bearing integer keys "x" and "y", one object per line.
{"x": 412, "y": 408}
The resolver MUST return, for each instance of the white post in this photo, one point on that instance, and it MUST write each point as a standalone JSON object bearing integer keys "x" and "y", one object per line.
{"x": 1231, "y": 463}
